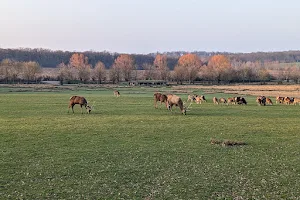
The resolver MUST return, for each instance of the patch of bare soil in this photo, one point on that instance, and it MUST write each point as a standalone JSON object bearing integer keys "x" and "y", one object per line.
{"x": 255, "y": 90}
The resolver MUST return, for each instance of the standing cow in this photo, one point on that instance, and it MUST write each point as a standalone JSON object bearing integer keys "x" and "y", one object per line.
{"x": 116, "y": 93}
{"x": 176, "y": 100}
{"x": 215, "y": 100}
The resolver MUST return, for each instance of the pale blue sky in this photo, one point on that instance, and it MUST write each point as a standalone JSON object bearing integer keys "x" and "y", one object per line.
{"x": 145, "y": 26}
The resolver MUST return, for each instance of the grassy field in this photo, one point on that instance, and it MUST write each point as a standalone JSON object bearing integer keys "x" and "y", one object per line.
{"x": 126, "y": 149}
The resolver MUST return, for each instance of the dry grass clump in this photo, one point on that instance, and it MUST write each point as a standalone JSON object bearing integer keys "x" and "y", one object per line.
{"x": 225, "y": 143}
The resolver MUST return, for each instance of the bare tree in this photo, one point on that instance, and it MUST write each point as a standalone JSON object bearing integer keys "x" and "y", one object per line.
{"x": 99, "y": 72}
{"x": 66, "y": 72}
{"x": 115, "y": 74}
{"x": 149, "y": 71}
{"x": 84, "y": 73}
{"x": 10, "y": 70}
{"x": 178, "y": 74}
{"x": 161, "y": 65}
{"x": 30, "y": 69}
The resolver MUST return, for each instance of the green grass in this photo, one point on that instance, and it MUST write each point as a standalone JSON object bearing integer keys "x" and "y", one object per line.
{"x": 126, "y": 149}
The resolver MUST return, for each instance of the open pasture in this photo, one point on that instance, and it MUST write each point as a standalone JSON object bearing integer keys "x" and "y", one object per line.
{"x": 127, "y": 149}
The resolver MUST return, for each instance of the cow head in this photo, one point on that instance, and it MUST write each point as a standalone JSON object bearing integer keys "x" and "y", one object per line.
{"x": 89, "y": 109}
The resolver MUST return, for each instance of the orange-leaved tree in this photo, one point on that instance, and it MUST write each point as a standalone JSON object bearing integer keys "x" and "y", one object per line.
{"x": 81, "y": 63}
{"x": 78, "y": 60}
{"x": 190, "y": 65}
{"x": 161, "y": 66}
{"x": 221, "y": 66}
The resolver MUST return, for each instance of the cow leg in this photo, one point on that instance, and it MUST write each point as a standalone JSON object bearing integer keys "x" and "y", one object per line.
{"x": 72, "y": 109}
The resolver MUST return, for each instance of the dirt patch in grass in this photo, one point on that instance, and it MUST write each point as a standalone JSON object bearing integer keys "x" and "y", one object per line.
{"x": 255, "y": 90}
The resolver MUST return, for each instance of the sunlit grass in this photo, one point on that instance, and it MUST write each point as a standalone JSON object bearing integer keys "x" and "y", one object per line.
{"x": 126, "y": 149}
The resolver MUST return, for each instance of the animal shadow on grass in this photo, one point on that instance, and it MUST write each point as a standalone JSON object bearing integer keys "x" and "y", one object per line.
{"x": 227, "y": 143}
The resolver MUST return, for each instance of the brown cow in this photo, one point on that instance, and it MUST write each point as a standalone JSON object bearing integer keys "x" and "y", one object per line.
{"x": 176, "y": 100}
{"x": 222, "y": 100}
{"x": 81, "y": 101}
{"x": 192, "y": 98}
{"x": 215, "y": 100}
{"x": 296, "y": 100}
{"x": 230, "y": 100}
{"x": 287, "y": 100}
{"x": 279, "y": 99}
{"x": 116, "y": 93}
{"x": 160, "y": 97}
{"x": 269, "y": 101}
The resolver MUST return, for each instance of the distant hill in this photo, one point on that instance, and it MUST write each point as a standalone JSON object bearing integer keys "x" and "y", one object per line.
{"x": 49, "y": 58}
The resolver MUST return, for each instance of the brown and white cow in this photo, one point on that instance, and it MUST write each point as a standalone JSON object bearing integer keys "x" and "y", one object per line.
{"x": 230, "y": 101}
{"x": 160, "y": 97}
{"x": 222, "y": 100}
{"x": 175, "y": 100}
{"x": 288, "y": 100}
{"x": 296, "y": 100}
{"x": 191, "y": 98}
{"x": 269, "y": 101}
{"x": 279, "y": 99}
{"x": 116, "y": 93}
{"x": 200, "y": 99}
{"x": 215, "y": 100}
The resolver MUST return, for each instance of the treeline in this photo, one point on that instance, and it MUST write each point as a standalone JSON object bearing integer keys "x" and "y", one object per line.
{"x": 51, "y": 59}
{"x": 189, "y": 68}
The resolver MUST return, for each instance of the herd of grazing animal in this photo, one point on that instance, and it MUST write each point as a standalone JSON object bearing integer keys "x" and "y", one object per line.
{"x": 230, "y": 100}
{"x": 171, "y": 99}
{"x": 287, "y": 100}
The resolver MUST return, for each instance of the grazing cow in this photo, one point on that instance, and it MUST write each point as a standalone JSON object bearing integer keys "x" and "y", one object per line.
{"x": 215, "y": 100}
{"x": 279, "y": 99}
{"x": 287, "y": 100}
{"x": 199, "y": 99}
{"x": 116, "y": 93}
{"x": 160, "y": 97}
{"x": 296, "y": 100}
{"x": 222, "y": 100}
{"x": 236, "y": 99}
{"x": 230, "y": 100}
{"x": 81, "y": 101}
{"x": 269, "y": 101}
{"x": 176, "y": 100}
{"x": 261, "y": 100}
{"x": 192, "y": 98}
{"x": 241, "y": 100}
